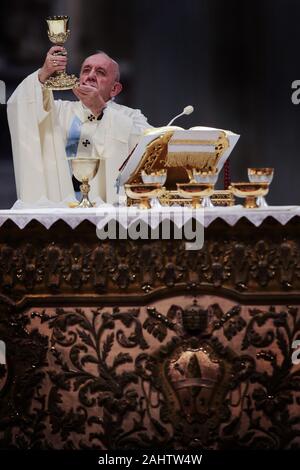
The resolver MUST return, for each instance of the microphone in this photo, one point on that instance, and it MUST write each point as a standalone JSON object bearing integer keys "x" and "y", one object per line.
{"x": 187, "y": 110}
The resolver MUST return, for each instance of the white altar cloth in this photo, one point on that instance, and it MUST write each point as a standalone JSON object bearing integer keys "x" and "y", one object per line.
{"x": 104, "y": 213}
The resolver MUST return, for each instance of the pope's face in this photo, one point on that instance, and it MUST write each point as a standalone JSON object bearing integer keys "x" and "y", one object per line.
{"x": 100, "y": 72}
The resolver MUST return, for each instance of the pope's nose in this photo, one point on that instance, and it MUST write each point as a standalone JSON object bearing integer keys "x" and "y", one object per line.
{"x": 92, "y": 74}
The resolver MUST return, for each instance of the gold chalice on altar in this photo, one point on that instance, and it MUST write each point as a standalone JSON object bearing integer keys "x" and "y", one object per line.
{"x": 158, "y": 176}
{"x": 58, "y": 33}
{"x": 249, "y": 191}
{"x": 195, "y": 191}
{"x": 261, "y": 175}
{"x": 204, "y": 176}
{"x": 84, "y": 170}
{"x": 143, "y": 192}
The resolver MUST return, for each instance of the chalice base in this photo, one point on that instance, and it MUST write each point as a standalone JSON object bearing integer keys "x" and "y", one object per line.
{"x": 250, "y": 202}
{"x": 85, "y": 202}
{"x": 144, "y": 203}
{"x": 61, "y": 81}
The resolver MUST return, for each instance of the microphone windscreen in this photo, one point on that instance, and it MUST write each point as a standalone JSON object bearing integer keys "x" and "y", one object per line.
{"x": 188, "y": 109}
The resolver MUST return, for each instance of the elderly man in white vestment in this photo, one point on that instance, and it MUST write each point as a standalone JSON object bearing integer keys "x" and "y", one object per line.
{"x": 46, "y": 132}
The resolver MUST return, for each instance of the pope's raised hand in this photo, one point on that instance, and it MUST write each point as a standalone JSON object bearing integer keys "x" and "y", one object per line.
{"x": 54, "y": 62}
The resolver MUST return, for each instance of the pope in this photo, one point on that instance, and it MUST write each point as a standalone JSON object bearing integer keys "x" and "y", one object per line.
{"x": 46, "y": 132}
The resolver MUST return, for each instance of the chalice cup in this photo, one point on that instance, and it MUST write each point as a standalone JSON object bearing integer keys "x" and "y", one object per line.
{"x": 261, "y": 175}
{"x": 58, "y": 33}
{"x": 196, "y": 191}
{"x": 250, "y": 191}
{"x": 158, "y": 176}
{"x": 204, "y": 176}
{"x": 84, "y": 170}
{"x": 143, "y": 193}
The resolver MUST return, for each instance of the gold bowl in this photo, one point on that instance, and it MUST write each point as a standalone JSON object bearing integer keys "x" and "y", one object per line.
{"x": 85, "y": 168}
{"x": 58, "y": 31}
{"x": 203, "y": 176}
{"x": 249, "y": 191}
{"x": 158, "y": 176}
{"x": 143, "y": 192}
{"x": 260, "y": 175}
{"x": 195, "y": 191}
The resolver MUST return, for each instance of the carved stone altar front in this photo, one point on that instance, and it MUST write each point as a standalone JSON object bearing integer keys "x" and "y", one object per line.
{"x": 136, "y": 344}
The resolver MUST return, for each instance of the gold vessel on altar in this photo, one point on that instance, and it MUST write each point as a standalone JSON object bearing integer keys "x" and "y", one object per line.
{"x": 84, "y": 170}
{"x": 250, "y": 192}
{"x": 261, "y": 175}
{"x": 197, "y": 192}
{"x": 143, "y": 193}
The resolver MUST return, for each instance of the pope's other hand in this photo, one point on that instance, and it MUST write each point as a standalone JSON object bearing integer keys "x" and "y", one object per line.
{"x": 90, "y": 97}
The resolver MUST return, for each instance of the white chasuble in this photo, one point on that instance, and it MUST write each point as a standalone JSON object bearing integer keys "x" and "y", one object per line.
{"x": 45, "y": 133}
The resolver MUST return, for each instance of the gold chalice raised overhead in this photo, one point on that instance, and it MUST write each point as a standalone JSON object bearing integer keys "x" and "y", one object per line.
{"x": 249, "y": 191}
{"x": 195, "y": 191}
{"x": 58, "y": 33}
{"x": 84, "y": 170}
{"x": 141, "y": 193}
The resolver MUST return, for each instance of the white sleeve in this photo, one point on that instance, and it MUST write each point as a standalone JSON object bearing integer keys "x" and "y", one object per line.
{"x": 139, "y": 124}
{"x": 45, "y": 102}
{"x": 40, "y": 164}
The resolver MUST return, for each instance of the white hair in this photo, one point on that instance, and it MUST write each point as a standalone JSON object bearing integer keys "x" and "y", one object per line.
{"x": 118, "y": 76}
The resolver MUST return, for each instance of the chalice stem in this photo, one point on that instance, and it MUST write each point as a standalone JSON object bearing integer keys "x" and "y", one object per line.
{"x": 196, "y": 202}
{"x": 85, "y": 189}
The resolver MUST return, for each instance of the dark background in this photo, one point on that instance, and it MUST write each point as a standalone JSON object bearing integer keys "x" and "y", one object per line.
{"x": 234, "y": 61}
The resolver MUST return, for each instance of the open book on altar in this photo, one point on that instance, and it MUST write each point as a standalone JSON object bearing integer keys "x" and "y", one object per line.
{"x": 174, "y": 148}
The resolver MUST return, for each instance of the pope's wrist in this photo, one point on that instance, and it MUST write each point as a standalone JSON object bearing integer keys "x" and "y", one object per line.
{"x": 97, "y": 111}
{"x": 41, "y": 77}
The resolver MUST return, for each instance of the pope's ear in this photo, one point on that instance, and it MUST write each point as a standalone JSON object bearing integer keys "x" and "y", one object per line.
{"x": 116, "y": 89}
